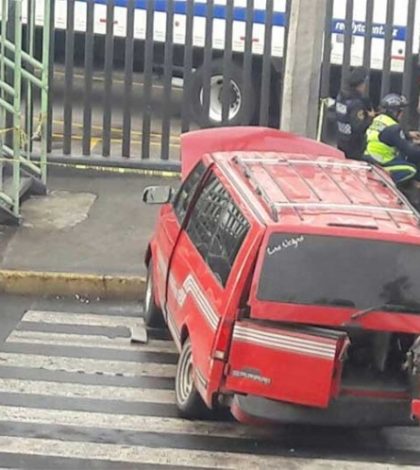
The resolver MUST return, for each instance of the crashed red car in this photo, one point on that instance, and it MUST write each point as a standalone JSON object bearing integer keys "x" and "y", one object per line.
{"x": 289, "y": 279}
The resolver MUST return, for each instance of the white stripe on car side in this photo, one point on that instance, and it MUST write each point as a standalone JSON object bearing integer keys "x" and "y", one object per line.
{"x": 269, "y": 336}
{"x": 190, "y": 287}
{"x": 284, "y": 342}
{"x": 267, "y": 339}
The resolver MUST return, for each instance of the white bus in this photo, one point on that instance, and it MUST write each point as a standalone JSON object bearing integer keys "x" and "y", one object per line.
{"x": 239, "y": 112}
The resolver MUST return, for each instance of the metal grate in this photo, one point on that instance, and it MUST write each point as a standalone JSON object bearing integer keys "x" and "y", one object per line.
{"x": 354, "y": 167}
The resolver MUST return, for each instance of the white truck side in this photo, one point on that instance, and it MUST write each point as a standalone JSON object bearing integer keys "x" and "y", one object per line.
{"x": 239, "y": 112}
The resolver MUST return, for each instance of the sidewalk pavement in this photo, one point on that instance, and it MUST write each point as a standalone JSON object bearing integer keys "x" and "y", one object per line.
{"x": 91, "y": 223}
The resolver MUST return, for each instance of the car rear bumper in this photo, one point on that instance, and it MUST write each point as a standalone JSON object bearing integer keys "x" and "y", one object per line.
{"x": 345, "y": 411}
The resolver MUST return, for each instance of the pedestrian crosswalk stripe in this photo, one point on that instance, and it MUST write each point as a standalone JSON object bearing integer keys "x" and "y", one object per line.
{"x": 131, "y": 420}
{"x": 134, "y": 423}
{"x": 89, "y": 341}
{"x": 81, "y": 319}
{"x": 171, "y": 457}
{"x": 97, "y": 392}
{"x": 88, "y": 366}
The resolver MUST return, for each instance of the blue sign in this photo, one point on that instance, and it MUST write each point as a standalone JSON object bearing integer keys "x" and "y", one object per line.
{"x": 279, "y": 18}
{"x": 200, "y": 9}
{"x": 378, "y": 30}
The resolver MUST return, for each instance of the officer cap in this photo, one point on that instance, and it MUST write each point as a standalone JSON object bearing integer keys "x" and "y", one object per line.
{"x": 357, "y": 76}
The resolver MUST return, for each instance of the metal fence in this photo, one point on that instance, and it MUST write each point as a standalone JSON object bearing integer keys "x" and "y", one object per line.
{"x": 128, "y": 95}
{"x": 123, "y": 96}
{"x": 23, "y": 106}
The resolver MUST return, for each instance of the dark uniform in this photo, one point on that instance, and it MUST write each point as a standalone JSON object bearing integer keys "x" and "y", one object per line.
{"x": 352, "y": 112}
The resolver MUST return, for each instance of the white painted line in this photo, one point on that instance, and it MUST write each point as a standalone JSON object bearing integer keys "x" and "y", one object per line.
{"x": 134, "y": 423}
{"x": 98, "y": 392}
{"x": 88, "y": 366}
{"x": 81, "y": 319}
{"x": 89, "y": 341}
{"x": 172, "y": 457}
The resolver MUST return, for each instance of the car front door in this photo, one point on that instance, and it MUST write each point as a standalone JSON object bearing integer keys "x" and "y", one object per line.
{"x": 199, "y": 291}
{"x": 171, "y": 220}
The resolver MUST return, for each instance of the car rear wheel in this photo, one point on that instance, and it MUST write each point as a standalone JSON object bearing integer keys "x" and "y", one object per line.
{"x": 189, "y": 402}
{"x": 152, "y": 313}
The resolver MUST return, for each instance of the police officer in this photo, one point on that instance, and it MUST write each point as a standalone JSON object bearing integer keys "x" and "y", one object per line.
{"x": 354, "y": 114}
{"x": 388, "y": 145}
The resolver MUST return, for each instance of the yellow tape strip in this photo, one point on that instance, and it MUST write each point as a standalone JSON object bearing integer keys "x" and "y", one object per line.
{"x": 109, "y": 169}
{"x": 5, "y": 131}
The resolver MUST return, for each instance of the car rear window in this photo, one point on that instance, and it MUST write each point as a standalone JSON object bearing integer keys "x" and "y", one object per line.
{"x": 321, "y": 270}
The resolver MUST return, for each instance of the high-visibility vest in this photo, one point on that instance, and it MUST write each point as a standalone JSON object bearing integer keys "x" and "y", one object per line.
{"x": 376, "y": 149}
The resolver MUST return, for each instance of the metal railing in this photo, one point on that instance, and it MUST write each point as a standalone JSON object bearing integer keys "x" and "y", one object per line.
{"x": 23, "y": 102}
{"x": 128, "y": 91}
{"x": 128, "y": 77}
{"x": 127, "y": 82}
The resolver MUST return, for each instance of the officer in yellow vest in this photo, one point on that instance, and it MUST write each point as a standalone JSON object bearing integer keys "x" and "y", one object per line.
{"x": 389, "y": 146}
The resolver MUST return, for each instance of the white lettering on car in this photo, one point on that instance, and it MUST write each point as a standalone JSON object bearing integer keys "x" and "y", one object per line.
{"x": 288, "y": 243}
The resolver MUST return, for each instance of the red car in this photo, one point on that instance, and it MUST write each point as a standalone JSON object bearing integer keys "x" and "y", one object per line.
{"x": 289, "y": 279}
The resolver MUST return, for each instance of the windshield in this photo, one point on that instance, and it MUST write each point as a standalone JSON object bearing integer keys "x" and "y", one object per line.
{"x": 321, "y": 270}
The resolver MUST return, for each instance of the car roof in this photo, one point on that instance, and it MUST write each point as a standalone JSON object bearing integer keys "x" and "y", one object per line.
{"x": 298, "y": 189}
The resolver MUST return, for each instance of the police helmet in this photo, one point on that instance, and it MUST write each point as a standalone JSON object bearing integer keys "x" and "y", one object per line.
{"x": 394, "y": 102}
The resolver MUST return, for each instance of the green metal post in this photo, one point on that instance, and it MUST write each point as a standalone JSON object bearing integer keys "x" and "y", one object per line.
{"x": 44, "y": 90}
{"x": 17, "y": 106}
{"x": 29, "y": 95}
{"x": 4, "y": 5}
{"x": 20, "y": 68}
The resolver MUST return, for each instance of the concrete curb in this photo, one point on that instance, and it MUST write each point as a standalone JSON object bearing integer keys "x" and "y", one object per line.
{"x": 72, "y": 284}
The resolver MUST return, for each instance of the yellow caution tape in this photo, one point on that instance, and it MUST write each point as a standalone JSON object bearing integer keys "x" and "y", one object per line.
{"x": 106, "y": 169}
{"x": 78, "y": 166}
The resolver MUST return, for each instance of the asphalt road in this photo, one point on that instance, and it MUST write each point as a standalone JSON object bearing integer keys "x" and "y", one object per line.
{"x": 158, "y": 108}
{"x": 76, "y": 394}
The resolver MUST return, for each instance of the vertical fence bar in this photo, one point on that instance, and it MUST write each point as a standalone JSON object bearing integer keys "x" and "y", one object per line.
{"x": 167, "y": 78}
{"x": 10, "y": 35}
{"x": 2, "y": 79}
{"x": 227, "y": 89}
{"x": 286, "y": 42}
{"x": 51, "y": 45}
{"x": 45, "y": 85}
{"x": 147, "y": 83}
{"x": 348, "y": 38}
{"x": 29, "y": 108}
{"x": 389, "y": 30}
{"x": 128, "y": 79}
{"x": 326, "y": 57}
{"x": 17, "y": 106}
{"x": 188, "y": 65}
{"x": 409, "y": 43}
{"x": 88, "y": 62}
{"x": 407, "y": 85}
{"x": 247, "y": 57}
{"x": 109, "y": 62}
{"x": 266, "y": 65}
{"x": 367, "y": 50}
{"x": 68, "y": 79}
{"x": 208, "y": 56}
{"x": 4, "y": 10}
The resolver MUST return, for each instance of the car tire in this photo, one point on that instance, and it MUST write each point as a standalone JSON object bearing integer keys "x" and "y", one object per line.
{"x": 153, "y": 316}
{"x": 243, "y": 108}
{"x": 189, "y": 402}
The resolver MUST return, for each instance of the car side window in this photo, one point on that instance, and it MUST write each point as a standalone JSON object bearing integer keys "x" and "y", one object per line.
{"x": 217, "y": 228}
{"x": 186, "y": 192}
